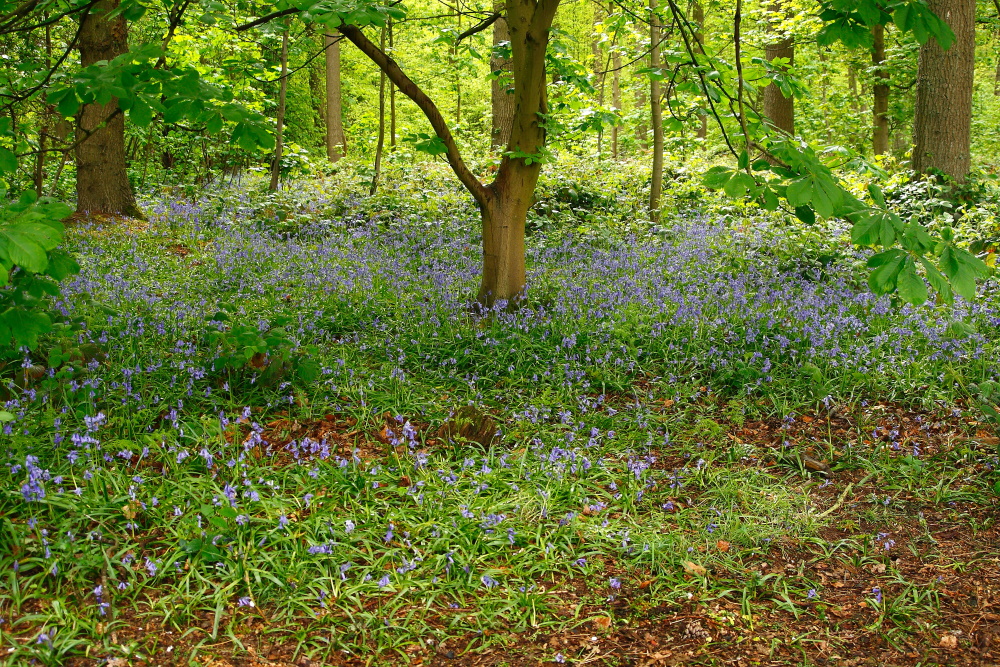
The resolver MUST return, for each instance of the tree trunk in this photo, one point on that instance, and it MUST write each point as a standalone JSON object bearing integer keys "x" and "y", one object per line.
{"x": 598, "y": 67}
{"x": 392, "y": 98}
{"x": 616, "y": 98}
{"x": 655, "y": 115}
{"x": 641, "y": 129}
{"x": 852, "y": 87}
{"x": 698, "y": 16}
{"x": 943, "y": 111}
{"x": 778, "y": 108}
{"x": 316, "y": 93}
{"x": 381, "y": 124}
{"x": 336, "y": 142}
{"x": 102, "y": 184}
{"x": 503, "y": 204}
{"x": 880, "y": 100}
{"x": 503, "y": 101}
{"x": 279, "y": 134}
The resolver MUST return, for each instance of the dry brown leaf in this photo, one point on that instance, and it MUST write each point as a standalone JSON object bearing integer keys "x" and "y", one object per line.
{"x": 694, "y": 568}
{"x": 722, "y": 545}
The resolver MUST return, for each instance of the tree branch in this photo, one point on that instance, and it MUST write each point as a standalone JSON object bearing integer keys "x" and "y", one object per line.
{"x": 420, "y": 98}
{"x": 479, "y": 27}
{"x": 267, "y": 17}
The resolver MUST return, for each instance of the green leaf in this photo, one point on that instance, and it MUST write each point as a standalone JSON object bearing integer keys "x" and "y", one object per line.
{"x": 716, "y": 177}
{"x": 937, "y": 280}
{"x": 910, "y": 285}
{"x": 800, "y": 192}
{"x": 61, "y": 265}
{"x": 805, "y": 214}
{"x": 25, "y": 326}
{"x": 8, "y": 161}
{"x": 141, "y": 114}
{"x": 23, "y": 249}
{"x": 876, "y": 193}
{"x": 739, "y": 184}
{"x": 888, "y": 265}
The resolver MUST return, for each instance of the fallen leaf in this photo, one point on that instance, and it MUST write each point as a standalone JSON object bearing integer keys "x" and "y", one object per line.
{"x": 602, "y": 622}
{"x": 694, "y": 568}
{"x": 722, "y": 545}
{"x": 948, "y": 641}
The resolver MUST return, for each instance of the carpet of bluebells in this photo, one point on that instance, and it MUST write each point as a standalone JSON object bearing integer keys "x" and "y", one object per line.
{"x": 148, "y": 477}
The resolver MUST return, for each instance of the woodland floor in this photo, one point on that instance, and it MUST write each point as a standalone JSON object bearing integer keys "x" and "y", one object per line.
{"x": 943, "y": 576}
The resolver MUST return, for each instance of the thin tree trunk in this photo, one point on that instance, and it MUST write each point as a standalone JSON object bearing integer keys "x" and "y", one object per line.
{"x": 698, "y": 16}
{"x": 616, "y": 98}
{"x": 102, "y": 184}
{"x": 392, "y": 99}
{"x": 458, "y": 77}
{"x": 316, "y": 93}
{"x": 852, "y": 87}
{"x": 641, "y": 129}
{"x": 502, "y": 100}
{"x": 943, "y": 111}
{"x": 656, "y": 116}
{"x": 336, "y": 142}
{"x": 880, "y": 101}
{"x": 598, "y": 68}
{"x": 381, "y": 122}
{"x": 279, "y": 134}
{"x": 778, "y": 108}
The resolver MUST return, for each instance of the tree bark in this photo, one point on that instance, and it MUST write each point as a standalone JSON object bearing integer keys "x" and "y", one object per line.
{"x": 616, "y": 97}
{"x": 381, "y": 123}
{"x": 336, "y": 142}
{"x": 943, "y": 111}
{"x": 102, "y": 184}
{"x": 392, "y": 98}
{"x": 502, "y": 100}
{"x": 698, "y": 16}
{"x": 279, "y": 134}
{"x": 316, "y": 93}
{"x": 598, "y": 67}
{"x": 880, "y": 94}
{"x": 778, "y": 108}
{"x": 655, "y": 115}
{"x": 641, "y": 129}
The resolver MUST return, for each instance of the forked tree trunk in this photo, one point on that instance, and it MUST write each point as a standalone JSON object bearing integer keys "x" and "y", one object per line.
{"x": 502, "y": 100}
{"x": 102, "y": 184}
{"x": 778, "y": 108}
{"x": 698, "y": 16}
{"x": 504, "y": 203}
{"x": 943, "y": 112}
{"x": 655, "y": 115}
{"x": 880, "y": 94}
{"x": 336, "y": 143}
{"x": 279, "y": 135}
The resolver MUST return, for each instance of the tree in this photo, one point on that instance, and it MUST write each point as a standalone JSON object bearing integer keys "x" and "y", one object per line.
{"x": 504, "y": 203}
{"x": 779, "y": 107}
{"x": 880, "y": 93}
{"x": 656, "y": 115}
{"x": 502, "y": 101}
{"x": 698, "y": 16}
{"x": 279, "y": 133}
{"x": 943, "y": 113}
{"x": 102, "y": 184}
{"x": 336, "y": 142}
